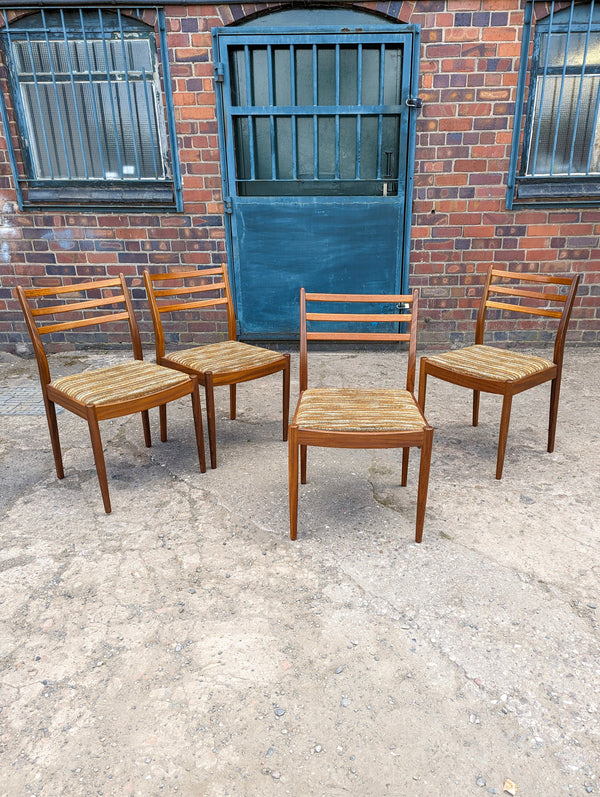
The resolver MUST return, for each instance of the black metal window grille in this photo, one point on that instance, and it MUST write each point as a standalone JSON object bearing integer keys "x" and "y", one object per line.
{"x": 556, "y": 136}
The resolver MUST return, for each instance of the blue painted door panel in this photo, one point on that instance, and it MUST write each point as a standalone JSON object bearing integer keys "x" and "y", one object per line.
{"x": 326, "y": 245}
{"x": 317, "y": 136}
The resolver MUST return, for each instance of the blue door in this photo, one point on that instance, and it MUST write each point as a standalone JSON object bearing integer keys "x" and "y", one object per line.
{"x": 317, "y": 135}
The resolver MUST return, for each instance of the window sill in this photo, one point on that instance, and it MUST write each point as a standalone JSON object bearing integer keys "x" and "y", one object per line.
{"x": 541, "y": 192}
{"x": 95, "y": 197}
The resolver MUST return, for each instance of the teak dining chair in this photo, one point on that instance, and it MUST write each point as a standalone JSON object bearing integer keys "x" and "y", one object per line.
{"x": 109, "y": 392}
{"x": 506, "y": 372}
{"x": 228, "y": 362}
{"x": 354, "y": 417}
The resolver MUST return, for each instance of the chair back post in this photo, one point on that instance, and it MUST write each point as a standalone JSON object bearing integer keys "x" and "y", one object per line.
{"x": 36, "y": 338}
{"x": 412, "y": 345}
{"x": 159, "y": 335}
{"x": 303, "y": 345}
{"x": 231, "y": 325}
{"x": 136, "y": 341}
{"x": 480, "y": 325}
{"x": 561, "y": 332}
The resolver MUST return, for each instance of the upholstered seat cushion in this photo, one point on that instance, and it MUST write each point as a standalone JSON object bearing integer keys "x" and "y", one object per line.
{"x": 358, "y": 410}
{"x": 226, "y": 357}
{"x": 129, "y": 380}
{"x": 491, "y": 363}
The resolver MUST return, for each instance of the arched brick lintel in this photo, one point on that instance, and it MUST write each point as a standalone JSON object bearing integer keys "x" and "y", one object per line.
{"x": 395, "y": 10}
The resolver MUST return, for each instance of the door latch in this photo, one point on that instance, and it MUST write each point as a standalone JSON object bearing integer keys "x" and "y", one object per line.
{"x": 414, "y": 102}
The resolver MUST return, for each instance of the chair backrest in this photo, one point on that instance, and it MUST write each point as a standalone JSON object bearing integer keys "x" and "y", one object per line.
{"x": 180, "y": 291}
{"x": 70, "y": 307}
{"x": 511, "y": 291}
{"x": 395, "y": 309}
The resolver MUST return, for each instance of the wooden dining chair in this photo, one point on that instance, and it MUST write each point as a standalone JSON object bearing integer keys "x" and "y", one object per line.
{"x": 491, "y": 369}
{"x": 109, "y": 392}
{"x": 227, "y": 362}
{"x": 359, "y": 417}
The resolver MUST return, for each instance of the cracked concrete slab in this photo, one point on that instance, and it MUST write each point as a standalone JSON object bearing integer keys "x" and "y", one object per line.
{"x": 183, "y": 645}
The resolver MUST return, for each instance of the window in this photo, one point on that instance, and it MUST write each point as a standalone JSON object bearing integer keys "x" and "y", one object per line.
{"x": 88, "y": 103}
{"x": 558, "y": 136}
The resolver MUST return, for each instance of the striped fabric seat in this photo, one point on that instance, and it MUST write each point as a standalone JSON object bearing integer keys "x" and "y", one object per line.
{"x": 133, "y": 379}
{"x": 491, "y": 363}
{"x": 226, "y": 357}
{"x": 358, "y": 410}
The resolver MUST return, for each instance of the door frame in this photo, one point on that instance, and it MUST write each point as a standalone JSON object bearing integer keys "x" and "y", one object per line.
{"x": 226, "y": 148}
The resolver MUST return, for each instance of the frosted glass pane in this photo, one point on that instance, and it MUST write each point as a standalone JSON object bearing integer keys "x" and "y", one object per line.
{"x": 559, "y": 140}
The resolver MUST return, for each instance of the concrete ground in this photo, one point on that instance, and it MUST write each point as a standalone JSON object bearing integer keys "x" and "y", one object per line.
{"x": 184, "y": 646}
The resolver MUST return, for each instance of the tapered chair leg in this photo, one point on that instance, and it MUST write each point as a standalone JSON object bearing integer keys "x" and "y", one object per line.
{"x": 303, "y": 450}
{"x": 98, "y": 457}
{"x": 405, "y": 456}
{"x": 54, "y": 438}
{"x": 554, "y": 396}
{"x": 476, "y": 395}
{"x": 210, "y": 418}
{"x": 504, "y": 422}
{"x": 232, "y": 402}
{"x": 293, "y": 479}
{"x": 146, "y": 425}
{"x": 162, "y": 414}
{"x": 286, "y": 396}
{"x": 424, "y": 467}
{"x": 197, "y": 411}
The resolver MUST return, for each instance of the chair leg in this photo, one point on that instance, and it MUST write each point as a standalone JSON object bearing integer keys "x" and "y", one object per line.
{"x": 146, "y": 425}
{"x": 286, "y": 397}
{"x": 476, "y": 394}
{"x": 293, "y": 480}
{"x": 303, "y": 464}
{"x": 405, "y": 455}
{"x": 98, "y": 457}
{"x": 504, "y": 421}
{"x": 422, "y": 386}
{"x": 54, "y": 438}
{"x": 424, "y": 466}
{"x": 210, "y": 418}
{"x": 162, "y": 414}
{"x": 198, "y": 426}
{"x": 554, "y": 396}
{"x": 232, "y": 402}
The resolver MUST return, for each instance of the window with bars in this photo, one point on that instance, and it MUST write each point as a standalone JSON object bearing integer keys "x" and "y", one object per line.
{"x": 557, "y": 138}
{"x": 88, "y": 101}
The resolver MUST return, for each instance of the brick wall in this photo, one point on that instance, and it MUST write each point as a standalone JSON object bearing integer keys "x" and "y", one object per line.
{"x": 469, "y": 61}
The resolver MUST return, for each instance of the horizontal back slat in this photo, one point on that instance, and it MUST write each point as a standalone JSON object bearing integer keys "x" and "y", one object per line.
{"x": 540, "y": 296}
{"x": 216, "y": 286}
{"x": 75, "y": 288}
{"x": 361, "y": 317}
{"x": 517, "y": 308}
{"x": 172, "y": 308}
{"x": 356, "y": 297}
{"x": 364, "y": 336}
{"x": 83, "y": 322}
{"x": 69, "y": 307}
{"x": 181, "y": 275}
{"x": 545, "y": 278}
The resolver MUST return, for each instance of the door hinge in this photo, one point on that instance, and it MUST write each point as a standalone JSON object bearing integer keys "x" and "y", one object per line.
{"x": 227, "y": 206}
{"x": 219, "y": 72}
{"x": 414, "y": 102}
